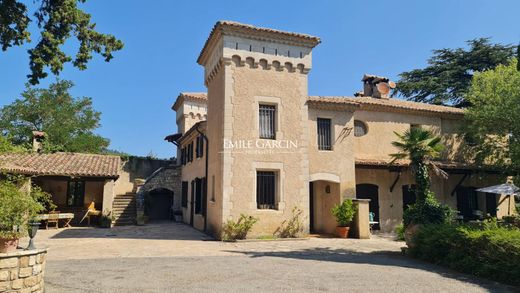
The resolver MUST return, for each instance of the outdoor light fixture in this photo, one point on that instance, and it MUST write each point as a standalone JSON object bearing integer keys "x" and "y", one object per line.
{"x": 327, "y": 189}
{"x": 33, "y": 228}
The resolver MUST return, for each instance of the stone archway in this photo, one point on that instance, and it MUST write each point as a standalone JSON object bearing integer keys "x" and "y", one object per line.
{"x": 159, "y": 204}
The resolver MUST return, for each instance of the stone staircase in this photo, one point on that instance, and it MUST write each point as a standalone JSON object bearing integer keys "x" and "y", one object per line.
{"x": 124, "y": 209}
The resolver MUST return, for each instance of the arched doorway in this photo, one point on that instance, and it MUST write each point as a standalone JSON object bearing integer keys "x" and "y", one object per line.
{"x": 159, "y": 204}
{"x": 371, "y": 192}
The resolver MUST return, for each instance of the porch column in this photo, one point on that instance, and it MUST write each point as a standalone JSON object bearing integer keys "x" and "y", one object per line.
{"x": 361, "y": 225}
{"x": 108, "y": 196}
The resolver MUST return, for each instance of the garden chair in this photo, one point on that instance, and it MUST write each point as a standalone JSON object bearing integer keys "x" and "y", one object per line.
{"x": 54, "y": 218}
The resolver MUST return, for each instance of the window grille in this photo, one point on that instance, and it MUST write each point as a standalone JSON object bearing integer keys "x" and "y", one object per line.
{"x": 324, "y": 134}
{"x": 266, "y": 190}
{"x": 267, "y": 121}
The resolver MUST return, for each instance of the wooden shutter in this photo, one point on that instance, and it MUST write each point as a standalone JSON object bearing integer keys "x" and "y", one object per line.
{"x": 184, "y": 198}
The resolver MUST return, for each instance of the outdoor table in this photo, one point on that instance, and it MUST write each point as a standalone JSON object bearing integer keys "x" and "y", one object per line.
{"x": 67, "y": 217}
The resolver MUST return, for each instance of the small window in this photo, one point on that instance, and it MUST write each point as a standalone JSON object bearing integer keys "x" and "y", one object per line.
{"x": 75, "y": 193}
{"x": 266, "y": 190}
{"x": 324, "y": 134}
{"x": 183, "y": 156}
{"x": 267, "y": 121}
{"x": 184, "y": 197}
{"x": 360, "y": 128}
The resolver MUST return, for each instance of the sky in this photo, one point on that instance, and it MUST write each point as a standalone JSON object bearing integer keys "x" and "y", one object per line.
{"x": 135, "y": 91}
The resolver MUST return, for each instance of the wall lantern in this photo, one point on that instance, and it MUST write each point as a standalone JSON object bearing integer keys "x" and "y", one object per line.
{"x": 327, "y": 189}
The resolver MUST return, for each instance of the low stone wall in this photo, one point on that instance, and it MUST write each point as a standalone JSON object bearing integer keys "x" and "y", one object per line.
{"x": 22, "y": 271}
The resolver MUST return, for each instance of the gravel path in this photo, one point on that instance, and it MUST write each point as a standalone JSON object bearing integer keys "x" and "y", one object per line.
{"x": 175, "y": 258}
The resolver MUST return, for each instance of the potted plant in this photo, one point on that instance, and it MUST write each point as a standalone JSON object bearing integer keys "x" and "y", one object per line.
{"x": 344, "y": 213}
{"x": 16, "y": 208}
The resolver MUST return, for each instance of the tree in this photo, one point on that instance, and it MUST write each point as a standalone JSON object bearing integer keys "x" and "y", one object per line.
{"x": 494, "y": 119}
{"x": 6, "y": 146}
{"x": 421, "y": 147}
{"x": 67, "y": 121}
{"x": 57, "y": 20}
{"x": 447, "y": 78}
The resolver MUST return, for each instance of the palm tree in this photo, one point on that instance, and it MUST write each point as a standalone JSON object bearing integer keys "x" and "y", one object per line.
{"x": 421, "y": 147}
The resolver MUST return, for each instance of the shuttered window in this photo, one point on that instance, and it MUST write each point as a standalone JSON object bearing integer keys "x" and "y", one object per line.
{"x": 199, "y": 148}
{"x": 324, "y": 134}
{"x": 184, "y": 197}
{"x": 267, "y": 121}
{"x": 266, "y": 190}
{"x": 198, "y": 195}
{"x": 183, "y": 156}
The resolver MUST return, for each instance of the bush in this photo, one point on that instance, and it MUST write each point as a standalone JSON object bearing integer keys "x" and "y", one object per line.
{"x": 293, "y": 227}
{"x": 16, "y": 209}
{"x": 344, "y": 212}
{"x": 399, "y": 230}
{"x": 428, "y": 212}
{"x": 233, "y": 231}
{"x": 490, "y": 251}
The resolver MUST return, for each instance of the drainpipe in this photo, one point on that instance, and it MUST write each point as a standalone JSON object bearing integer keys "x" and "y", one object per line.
{"x": 205, "y": 200}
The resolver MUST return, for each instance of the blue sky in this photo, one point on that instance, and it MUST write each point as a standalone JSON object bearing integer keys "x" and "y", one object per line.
{"x": 163, "y": 39}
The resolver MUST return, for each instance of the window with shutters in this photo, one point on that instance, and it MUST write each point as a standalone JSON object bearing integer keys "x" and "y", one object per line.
{"x": 324, "y": 134}
{"x": 199, "y": 148}
{"x": 266, "y": 190}
{"x": 198, "y": 195}
{"x": 183, "y": 156}
{"x": 267, "y": 121}
{"x": 184, "y": 197}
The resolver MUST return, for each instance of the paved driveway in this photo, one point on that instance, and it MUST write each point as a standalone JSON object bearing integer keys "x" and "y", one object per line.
{"x": 175, "y": 258}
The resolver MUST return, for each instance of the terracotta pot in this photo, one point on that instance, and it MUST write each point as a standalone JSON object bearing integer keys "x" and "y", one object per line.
{"x": 342, "y": 232}
{"x": 8, "y": 244}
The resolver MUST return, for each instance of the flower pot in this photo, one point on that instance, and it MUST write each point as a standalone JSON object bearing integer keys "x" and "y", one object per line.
{"x": 8, "y": 244}
{"x": 342, "y": 232}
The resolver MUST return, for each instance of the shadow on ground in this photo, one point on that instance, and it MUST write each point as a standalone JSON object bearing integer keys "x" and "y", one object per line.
{"x": 380, "y": 258}
{"x": 153, "y": 231}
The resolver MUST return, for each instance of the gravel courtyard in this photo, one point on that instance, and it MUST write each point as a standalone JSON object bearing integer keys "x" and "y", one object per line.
{"x": 169, "y": 257}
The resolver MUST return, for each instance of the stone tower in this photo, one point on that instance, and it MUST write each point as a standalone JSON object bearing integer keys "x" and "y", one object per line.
{"x": 248, "y": 70}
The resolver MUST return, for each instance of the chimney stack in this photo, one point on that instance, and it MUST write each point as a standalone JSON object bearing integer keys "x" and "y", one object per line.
{"x": 376, "y": 87}
{"x": 37, "y": 142}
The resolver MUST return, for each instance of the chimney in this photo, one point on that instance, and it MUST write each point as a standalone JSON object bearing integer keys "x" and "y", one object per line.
{"x": 38, "y": 137}
{"x": 376, "y": 87}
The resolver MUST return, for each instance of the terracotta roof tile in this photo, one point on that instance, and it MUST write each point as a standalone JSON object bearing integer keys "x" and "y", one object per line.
{"x": 369, "y": 103}
{"x": 61, "y": 164}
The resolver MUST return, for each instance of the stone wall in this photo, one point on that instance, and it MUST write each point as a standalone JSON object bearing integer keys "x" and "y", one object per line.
{"x": 169, "y": 178}
{"x": 22, "y": 271}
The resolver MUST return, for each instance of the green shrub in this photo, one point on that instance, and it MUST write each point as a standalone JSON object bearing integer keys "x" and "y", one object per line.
{"x": 16, "y": 209}
{"x": 105, "y": 221}
{"x": 292, "y": 227}
{"x": 238, "y": 230}
{"x": 490, "y": 251}
{"x": 399, "y": 230}
{"x": 344, "y": 212}
{"x": 428, "y": 212}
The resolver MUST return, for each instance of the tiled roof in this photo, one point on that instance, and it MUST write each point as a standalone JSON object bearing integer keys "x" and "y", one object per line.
{"x": 251, "y": 30}
{"x": 201, "y": 97}
{"x": 369, "y": 103}
{"x": 405, "y": 163}
{"x": 61, "y": 164}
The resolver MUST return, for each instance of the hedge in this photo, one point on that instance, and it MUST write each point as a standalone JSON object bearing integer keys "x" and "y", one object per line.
{"x": 489, "y": 252}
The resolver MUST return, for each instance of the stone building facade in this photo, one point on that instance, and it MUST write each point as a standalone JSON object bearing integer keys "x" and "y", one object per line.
{"x": 260, "y": 145}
